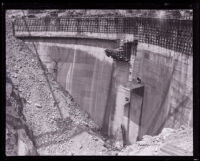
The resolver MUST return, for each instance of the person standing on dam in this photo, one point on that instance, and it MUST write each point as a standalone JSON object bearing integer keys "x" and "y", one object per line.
{"x": 47, "y": 22}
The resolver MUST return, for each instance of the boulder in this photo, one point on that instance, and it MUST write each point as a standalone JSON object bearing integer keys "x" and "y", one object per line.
{"x": 38, "y": 105}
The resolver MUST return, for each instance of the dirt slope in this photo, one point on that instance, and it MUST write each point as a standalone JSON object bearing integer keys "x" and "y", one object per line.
{"x": 53, "y": 132}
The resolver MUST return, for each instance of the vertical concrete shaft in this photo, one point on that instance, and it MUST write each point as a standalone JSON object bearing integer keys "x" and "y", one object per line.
{"x": 122, "y": 98}
{"x": 132, "y": 75}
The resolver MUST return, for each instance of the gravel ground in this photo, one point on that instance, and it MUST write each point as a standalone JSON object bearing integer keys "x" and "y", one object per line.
{"x": 152, "y": 145}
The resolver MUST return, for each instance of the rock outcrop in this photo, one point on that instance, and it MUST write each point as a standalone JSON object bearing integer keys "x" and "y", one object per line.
{"x": 19, "y": 138}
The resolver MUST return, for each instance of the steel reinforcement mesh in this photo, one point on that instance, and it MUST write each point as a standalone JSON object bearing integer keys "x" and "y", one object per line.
{"x": 168, "y": 33}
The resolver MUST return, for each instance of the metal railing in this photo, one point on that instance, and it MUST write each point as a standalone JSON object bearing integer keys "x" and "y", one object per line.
{"x": 172, "y": 34}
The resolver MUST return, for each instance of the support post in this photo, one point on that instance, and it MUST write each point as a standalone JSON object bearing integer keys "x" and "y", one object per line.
{"x": 132, "y": 75}
{"x": 123, "y": 97}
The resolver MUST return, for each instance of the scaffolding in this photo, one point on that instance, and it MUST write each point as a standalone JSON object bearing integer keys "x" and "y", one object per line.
{"x": 171, "y": 34}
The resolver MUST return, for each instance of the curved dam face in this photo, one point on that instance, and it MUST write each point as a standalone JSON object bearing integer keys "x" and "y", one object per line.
{"x": 168, "y": 92}
{"x": 93, "y": 79}
{"x": 84, "y": 71}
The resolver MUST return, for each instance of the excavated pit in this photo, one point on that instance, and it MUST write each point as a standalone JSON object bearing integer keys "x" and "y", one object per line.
{"x": 84, "y": 74}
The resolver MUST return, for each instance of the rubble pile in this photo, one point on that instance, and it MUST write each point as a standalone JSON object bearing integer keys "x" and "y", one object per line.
{"x": 157, "y": 145}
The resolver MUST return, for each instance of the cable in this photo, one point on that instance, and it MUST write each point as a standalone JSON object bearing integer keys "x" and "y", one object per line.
{"x": 43, "y": 68}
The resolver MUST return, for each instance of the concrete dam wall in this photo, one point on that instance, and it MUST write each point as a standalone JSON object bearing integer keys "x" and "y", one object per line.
{"x": 84, "y": 71}
{"x": 93, "y": 79}
{"x": 168, "y": 95}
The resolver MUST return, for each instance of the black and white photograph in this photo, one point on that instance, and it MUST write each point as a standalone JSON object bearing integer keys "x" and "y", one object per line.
{"x": 99, "y": 82}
